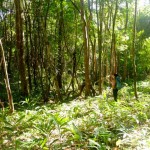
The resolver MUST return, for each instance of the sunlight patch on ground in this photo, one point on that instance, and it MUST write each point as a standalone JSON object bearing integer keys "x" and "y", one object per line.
{"x": 138, "y": 139}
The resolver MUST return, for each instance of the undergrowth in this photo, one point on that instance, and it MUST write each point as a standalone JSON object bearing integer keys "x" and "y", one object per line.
{"x": 95, "y": 123}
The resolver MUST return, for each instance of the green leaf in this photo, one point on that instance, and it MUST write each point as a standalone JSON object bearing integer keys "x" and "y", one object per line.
{"x": 93, "y": 143}
{"x": 43, "y": 142}
{"x": 9, "y": 129}
{"x": 20, "y": 119}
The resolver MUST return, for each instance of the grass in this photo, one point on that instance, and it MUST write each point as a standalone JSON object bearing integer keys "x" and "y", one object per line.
{"x": 95, "y": 123}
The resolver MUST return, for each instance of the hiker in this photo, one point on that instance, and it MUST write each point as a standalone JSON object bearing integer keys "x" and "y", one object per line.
{"x": 113, "y": 81}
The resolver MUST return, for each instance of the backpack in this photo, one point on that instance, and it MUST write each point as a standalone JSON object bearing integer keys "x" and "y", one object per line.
{"x": 118, "y": 83}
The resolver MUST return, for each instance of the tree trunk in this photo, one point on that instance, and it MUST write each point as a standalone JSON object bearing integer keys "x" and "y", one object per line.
{"x": 10, "y": 49}
{"x": 133, "y": 51}
{"x": 60, "y": 53}
{"x": 86, "y": 50}
{"x": 20, "y": 48}
{"x": 10, "y": 98}
{"x": 47, "y": 62}
{"x": 100, "y": 28}
{"x": 28, "y": 57}
{"x": 113, "y": 43}
{"x": 125, "y": 53}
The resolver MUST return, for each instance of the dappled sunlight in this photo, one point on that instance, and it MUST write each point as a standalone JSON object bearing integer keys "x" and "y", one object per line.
{"x": 74, "y": 75}
{"x": 138, "y": 138}
{"x": 82, "y": 123}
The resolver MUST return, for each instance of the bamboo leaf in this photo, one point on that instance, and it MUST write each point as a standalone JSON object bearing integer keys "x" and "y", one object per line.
{"x": 92, "y": 142}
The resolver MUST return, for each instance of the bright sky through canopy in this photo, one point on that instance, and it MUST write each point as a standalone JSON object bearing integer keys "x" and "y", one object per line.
{"x": 142, "y": 3}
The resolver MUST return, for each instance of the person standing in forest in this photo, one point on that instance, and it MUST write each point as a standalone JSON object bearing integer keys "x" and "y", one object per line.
{"x": 113, "y": 81}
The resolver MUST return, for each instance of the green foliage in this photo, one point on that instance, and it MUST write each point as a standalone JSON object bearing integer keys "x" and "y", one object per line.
{"x": 144, "y": 57}
{"x": 143, "y": 22}
{"x": 95, "y": 123}
{"x": 41, "y": 25}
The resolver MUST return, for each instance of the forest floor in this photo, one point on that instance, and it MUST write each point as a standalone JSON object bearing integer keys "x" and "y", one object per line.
{"x": 97, "y": 123}
{"x": 139, "y": 139}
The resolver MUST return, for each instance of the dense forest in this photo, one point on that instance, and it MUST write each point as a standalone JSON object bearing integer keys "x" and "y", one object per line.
{"x": 59, "y": 54}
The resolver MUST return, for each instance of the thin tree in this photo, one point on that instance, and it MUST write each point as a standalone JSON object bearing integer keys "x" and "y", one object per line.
{"x": 20, "y": 48}
{"x": 10, "y": 98}
{"x": 133, "y": 50}
{"x": 92, "y": 37}
{"x": 113, "y": 42}
{"x": 125, "y": 53}
{"x": 60, "y": 48}
{"x": 99, "y": 32}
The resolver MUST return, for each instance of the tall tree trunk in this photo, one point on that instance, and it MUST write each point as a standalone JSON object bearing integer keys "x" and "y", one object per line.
{"x": 86, "y": 50}
{"x": 47, "y": 62}
{"x": 113, "y": 43}
{"x": 60, "y": 53}
{"x": 10, "y": 49}
{"x": 10, "y": 98}
{"x": 74, "y": 55}
{"x": 133, "y": 51}
{"x": 100, "y": 28}
{"x": 20, "y": 48}
{"x": 28, "y": 57}
{"x": 92, "y": 41}
{"x": 125, "y": 53}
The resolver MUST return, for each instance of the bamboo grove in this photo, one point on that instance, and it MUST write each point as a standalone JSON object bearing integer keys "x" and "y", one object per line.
{"x": 63, "y": 48}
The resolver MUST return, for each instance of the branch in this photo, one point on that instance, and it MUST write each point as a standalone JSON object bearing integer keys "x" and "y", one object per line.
{"x": 75, "y": 6}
